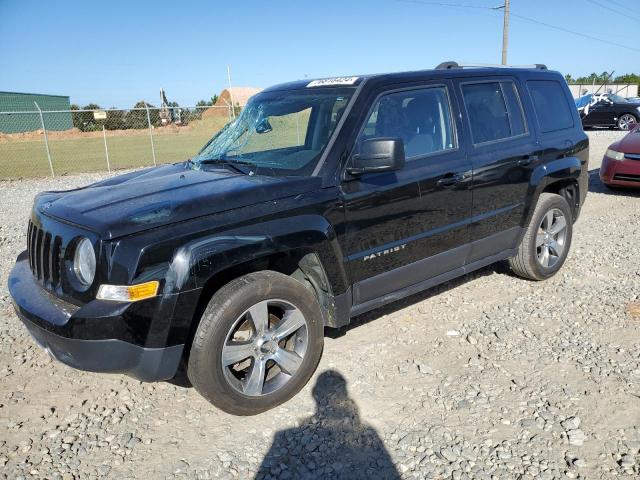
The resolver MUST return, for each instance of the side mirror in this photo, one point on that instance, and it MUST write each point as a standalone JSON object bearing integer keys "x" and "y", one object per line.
{"x": 264, "y": 126}
{"x": 378, "y": 155}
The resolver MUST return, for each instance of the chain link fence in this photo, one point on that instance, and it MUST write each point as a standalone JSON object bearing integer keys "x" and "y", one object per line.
{"x": 51, "y": 143}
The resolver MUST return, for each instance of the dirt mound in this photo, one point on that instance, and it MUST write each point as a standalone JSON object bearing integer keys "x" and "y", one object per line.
{"x": 74, "y": 133}
{"x": 216, "y": 112}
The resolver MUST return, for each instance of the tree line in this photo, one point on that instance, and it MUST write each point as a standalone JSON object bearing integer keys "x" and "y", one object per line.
{"x": 135, "y": 118}
{"x": 600, "y": 78}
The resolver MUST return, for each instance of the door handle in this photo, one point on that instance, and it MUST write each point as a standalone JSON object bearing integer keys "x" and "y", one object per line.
{"x": 450, "y": 179}
{"x": 527, "y": 160}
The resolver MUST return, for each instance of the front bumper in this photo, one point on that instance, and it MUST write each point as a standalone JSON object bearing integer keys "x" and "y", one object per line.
{"x": 623, "y": 173}
{"x": 61, "y": 329}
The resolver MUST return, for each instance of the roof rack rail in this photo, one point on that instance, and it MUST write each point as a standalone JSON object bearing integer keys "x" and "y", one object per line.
{"x": 450, "y": 65}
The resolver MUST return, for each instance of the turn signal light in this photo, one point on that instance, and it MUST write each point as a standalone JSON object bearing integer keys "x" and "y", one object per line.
{"x": 128, "y": 293}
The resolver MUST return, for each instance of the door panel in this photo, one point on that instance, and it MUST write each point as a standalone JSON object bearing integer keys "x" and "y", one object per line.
{"x": 602, "y": 114}
{"x": 502, "y": 151}
{"x": 396, "y": 219}
{"x": 500, "y": 182}
{"x": 381, "y": 211}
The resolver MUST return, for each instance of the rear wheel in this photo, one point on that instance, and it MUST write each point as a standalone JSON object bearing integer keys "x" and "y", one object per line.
{"x": 626, "y": 121}
{"x": 546, "y": 242}
{"x": 259, "y": 341}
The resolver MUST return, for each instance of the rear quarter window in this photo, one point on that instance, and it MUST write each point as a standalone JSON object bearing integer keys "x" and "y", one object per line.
{"x": 552, "y": 109}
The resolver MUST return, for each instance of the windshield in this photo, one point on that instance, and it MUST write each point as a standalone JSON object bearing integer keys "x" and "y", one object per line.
{"x": 279, "y": 133}
{"x": 617, "y": 98}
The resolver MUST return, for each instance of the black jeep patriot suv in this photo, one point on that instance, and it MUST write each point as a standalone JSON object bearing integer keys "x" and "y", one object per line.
{"x": 322, "y": 200}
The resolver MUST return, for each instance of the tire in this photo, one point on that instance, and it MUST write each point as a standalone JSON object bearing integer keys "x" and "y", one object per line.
{"x": 257, "y": 382}
{"x": 625, "y": 121}
{"x": 529, "y": 262}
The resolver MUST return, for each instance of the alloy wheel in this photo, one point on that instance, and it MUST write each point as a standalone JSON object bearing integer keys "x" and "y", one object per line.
{"x": 551, "y": 238}
{"x": 625, "y": 121}
{"x": 265, "y": 347}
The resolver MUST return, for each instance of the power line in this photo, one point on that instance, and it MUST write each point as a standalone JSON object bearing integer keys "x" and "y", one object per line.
{"x": 528, "y": 19}
{"x": 580, "y": 34}
{"x": 614, "y": 10}
{"x": 626, "y": 7}
{"x": 444, "y": 4}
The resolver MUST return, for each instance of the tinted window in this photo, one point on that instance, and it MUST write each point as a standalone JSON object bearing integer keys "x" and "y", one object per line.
{"x": 421, "y": 118}
{"x": 516, "y": 115}
{"x": 551, "y": 106}
{"x": 494, "y": 111}
{"x": 617, "y": 98}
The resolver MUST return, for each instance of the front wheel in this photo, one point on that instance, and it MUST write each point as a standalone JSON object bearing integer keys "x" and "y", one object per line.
{"x": 626, "y": 121}
{"x": 546, "y": 242}
{"x": 259, "y": 341}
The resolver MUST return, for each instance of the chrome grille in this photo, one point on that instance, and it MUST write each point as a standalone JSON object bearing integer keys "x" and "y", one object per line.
{"x": 44, "y": 256}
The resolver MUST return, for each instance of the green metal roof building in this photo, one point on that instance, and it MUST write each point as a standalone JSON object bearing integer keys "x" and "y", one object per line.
{"x": 24, "y": 121}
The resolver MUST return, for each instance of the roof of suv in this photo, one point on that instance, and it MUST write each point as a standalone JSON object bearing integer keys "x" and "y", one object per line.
{"x": 447, "y": 69}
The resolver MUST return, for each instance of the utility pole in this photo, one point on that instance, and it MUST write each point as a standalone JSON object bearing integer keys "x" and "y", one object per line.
{"x": 233, "y": 108}
{"x": 505, "y": 32}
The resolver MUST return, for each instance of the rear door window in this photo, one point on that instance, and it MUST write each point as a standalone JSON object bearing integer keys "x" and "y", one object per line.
{"x": 494, "y": 111}
{"x": 514, "y": 107}
{"x": 551, "y": 106}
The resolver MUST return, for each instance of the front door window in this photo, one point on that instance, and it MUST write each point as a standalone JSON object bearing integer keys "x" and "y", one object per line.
{"x": 421, "y": 118}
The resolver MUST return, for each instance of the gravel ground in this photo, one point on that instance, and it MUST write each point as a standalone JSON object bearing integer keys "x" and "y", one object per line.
{"x": 488, "y": 376}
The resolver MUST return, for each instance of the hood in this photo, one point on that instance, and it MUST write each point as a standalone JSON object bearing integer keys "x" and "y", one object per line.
{"x": 630, "y": 143}
{"x": 162, "y": 195}
{"x": 628, "y": 104}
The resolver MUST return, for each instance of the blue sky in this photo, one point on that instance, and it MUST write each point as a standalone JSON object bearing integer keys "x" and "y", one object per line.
{"x": 118, "y": 52}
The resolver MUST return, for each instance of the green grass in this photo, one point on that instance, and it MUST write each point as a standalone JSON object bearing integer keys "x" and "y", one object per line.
{"x": 28, "y": 158}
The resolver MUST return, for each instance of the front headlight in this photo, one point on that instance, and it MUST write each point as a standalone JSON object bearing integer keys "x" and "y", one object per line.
{"x": 84, "y": 262}
{"x": 613, "y": 155}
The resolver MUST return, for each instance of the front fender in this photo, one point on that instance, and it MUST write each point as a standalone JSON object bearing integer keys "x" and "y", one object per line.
{"x": 196, "y": 262}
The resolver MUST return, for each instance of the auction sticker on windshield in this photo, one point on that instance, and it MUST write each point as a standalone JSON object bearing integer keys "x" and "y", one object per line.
{"x": 325, "y": 82}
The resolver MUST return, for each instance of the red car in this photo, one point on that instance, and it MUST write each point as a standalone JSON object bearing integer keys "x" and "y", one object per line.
{"x": 621, "y": 163}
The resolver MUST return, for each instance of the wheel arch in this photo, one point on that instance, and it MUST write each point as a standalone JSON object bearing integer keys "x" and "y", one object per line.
{"x": 305, "y": 249}
{"x": 569, "y": 189}
{"x": 561, "y": 177}
{"x": 301, "y": 264}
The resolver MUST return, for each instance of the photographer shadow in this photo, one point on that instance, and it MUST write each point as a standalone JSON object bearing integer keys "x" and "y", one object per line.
{"x": 332, "y": 443}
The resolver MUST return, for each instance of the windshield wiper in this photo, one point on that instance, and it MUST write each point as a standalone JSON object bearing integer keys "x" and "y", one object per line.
{"x": 246, "y": 168}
